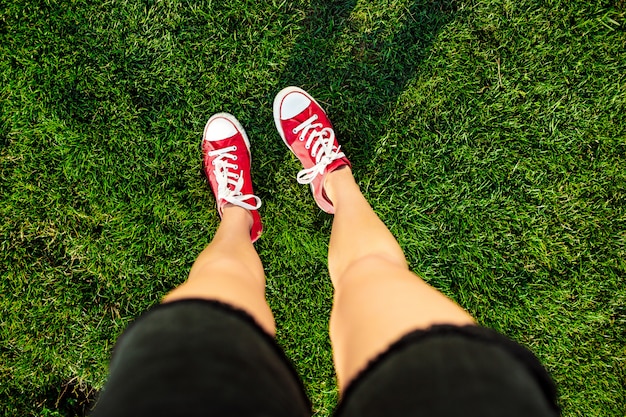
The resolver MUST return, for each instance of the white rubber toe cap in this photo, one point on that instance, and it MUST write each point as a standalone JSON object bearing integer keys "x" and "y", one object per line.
{"x": 219, "y": 128}
{"x": 293, "y": 104}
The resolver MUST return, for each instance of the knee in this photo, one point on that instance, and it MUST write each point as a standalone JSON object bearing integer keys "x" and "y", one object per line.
{"x": 372, "y": 266}
{"x": 216, "y": 266}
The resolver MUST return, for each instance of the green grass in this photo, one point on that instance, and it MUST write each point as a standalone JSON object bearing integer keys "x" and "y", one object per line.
{"x": 490, "y": 136}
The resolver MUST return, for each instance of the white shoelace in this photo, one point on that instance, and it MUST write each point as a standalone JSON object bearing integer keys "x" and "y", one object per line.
{"x": 320, "y": 143}
{"x": 225, "y": 176}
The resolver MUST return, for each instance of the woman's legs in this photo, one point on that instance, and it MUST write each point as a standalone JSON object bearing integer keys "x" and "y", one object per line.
{"x": 377, "y": 299}
{"x": 229, "y": 270}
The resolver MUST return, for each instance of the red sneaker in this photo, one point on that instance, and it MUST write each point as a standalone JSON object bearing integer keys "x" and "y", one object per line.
{"x": 307, "y": 131}
{"x": 226, "y": 159}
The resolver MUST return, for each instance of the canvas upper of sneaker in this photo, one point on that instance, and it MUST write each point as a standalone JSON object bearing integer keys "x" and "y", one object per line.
{"x": 226, "y": 160}
{"x": 307, "y": 131}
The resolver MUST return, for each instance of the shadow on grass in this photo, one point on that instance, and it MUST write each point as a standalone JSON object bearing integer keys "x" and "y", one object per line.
{"x": 356, "y": 65}
{"x": 363, "y": 72}
{"x": 358, "y": 74}
{"x": 73, "y": 399}
{"x": 65, "y": 398}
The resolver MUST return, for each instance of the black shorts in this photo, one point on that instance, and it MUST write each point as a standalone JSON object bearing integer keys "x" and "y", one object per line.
{"x": 204, "y": 358}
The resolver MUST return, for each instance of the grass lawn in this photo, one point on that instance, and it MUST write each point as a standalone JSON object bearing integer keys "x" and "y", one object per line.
{"x": 490, "y": 136}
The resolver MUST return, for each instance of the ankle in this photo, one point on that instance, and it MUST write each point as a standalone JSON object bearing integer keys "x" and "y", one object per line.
{"x": 338, "y": 181}
{"x": 236, "y": 214}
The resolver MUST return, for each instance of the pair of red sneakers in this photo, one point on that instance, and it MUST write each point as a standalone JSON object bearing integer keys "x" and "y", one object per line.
{"x": 305, "y": 129}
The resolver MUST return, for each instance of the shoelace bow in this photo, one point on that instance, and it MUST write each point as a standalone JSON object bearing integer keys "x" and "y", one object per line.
{"x": 320, "y": 143}
{"x": 226, "y": 176}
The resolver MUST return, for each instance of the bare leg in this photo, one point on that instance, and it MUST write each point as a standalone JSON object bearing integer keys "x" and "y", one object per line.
{"x": 377, "y": 299}
{"x": 229, "y": 270}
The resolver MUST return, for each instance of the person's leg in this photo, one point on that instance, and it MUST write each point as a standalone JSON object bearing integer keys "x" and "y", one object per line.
{"x": 377, "y": 299}
{"x": 229, "y": 270}
{"x": 420, "y": 353}
{"x": 208, "y": 349}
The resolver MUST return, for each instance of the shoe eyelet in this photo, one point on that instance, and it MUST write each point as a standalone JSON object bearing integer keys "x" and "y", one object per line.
{"x": 236, "y": 166}
{"x": 294, "y": 131}
{"x": 234, "y": 157}
{"x": 234, "y": 147}
{"x": 307, "y": 146}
